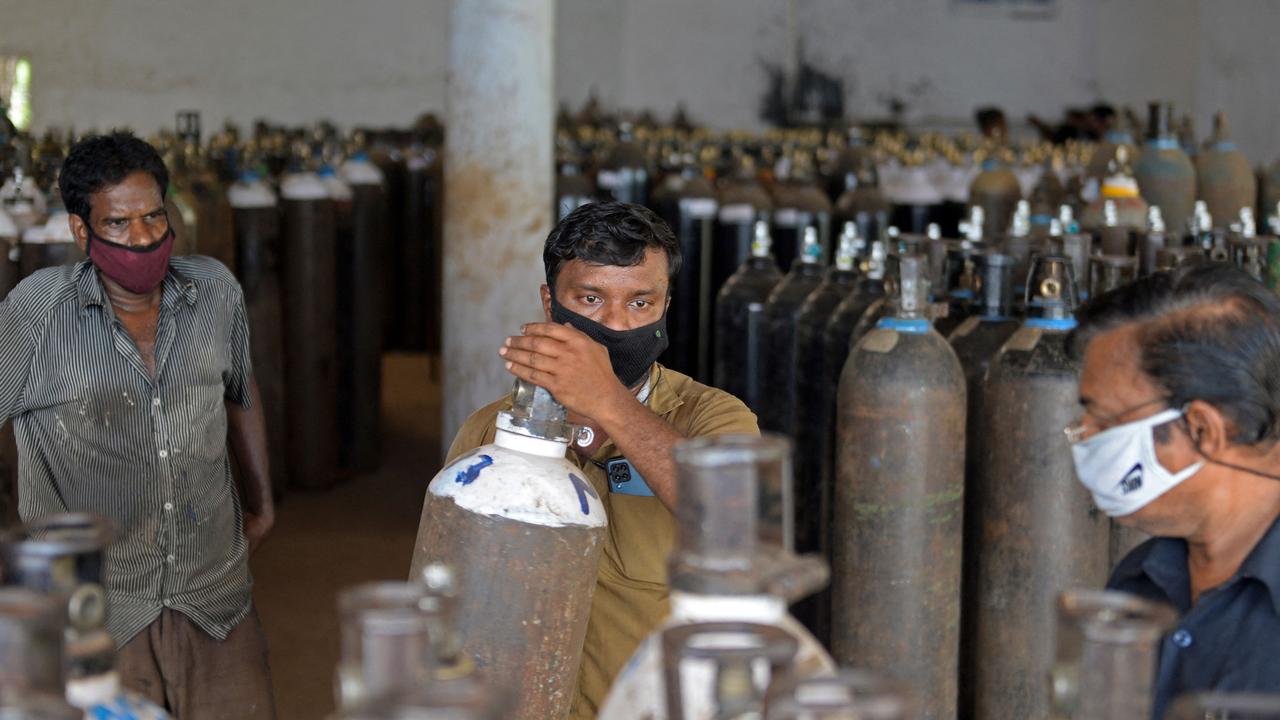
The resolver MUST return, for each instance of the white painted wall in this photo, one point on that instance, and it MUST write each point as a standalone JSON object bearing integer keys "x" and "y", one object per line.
{"x": 133, "y": 62}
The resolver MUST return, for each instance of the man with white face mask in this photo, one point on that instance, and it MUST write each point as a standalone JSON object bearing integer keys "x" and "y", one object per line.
{"x": 1179, "y": 438}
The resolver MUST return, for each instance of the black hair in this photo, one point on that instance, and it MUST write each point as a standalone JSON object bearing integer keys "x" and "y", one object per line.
{"x": 609, "y": 233}
{"x": 104, "y": 161}
{"x": 1207, "y": 331}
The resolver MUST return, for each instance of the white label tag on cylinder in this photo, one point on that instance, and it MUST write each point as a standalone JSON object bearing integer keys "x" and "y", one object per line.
{"x": 740, "y": 213}
{"x": 699, "y": 208}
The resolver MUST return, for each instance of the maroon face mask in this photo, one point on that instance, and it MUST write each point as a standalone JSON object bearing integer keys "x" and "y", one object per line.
{"x": 138, "y": 269}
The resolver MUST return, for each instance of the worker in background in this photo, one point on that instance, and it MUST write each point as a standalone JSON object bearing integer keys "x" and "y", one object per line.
{"x": 992, "y": 124}
{"x": 125, "y": 376}
{"x": 1179, "y": 438}
{"x": 610, "y": 268}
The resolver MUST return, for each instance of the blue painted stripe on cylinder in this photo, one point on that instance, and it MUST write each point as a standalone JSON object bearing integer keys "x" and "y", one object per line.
{"x": 912, "y": 326}
{"x": 1052, "y": 323}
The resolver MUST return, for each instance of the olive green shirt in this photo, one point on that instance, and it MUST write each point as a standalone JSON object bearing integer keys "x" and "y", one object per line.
{"x": 631, "y": 585}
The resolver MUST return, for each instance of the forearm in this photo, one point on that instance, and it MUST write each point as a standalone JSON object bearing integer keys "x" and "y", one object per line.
{"x": 647, "y": 441}
{"x": 246, "y": 431}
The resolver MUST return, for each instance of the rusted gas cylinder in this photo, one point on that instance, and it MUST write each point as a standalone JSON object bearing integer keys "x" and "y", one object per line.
{"x": 216, "y": 235}
{"x": 997, "y": 192}
{"x": 1165, "y": 174}
{"x": 1104, "y": 152}
{"x": 816, "y": 412}
{"x": 899, "y": 501}
{"x": 740, "y": 333}
{"x": 882, "y": 306}
{"x": 687, "y": 202}
{"x": 417, "y": 293}
{"x": 835, "y": 352}
{"x": 861, "y": 200}
{"x": 310, "y": 332}
{"x": 624, "y": 173}
{"x": 256, "y": 223}
{"x": 32, "y": 625}
{"x": 961, "y": 282}
{"x": 781, "y": 356}
{"x": 1034, "y": 527}
{"x": 798, "y": 203}
{"x": 49, "y": 244}
{"x": 1106, "y": 650}
{"x": 1224, "y": 179}
{"x": 359, "y": 304}
{"x": 1119, "y": 211}
{"x": 528, "y": 530}
{"x": 742, "y": 201}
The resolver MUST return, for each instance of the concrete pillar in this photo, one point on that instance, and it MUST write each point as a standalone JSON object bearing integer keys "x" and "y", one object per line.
{"x": 498, "y": 188}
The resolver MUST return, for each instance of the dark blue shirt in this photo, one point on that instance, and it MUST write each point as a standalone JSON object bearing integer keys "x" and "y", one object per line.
{"x": 1230, "y": 639}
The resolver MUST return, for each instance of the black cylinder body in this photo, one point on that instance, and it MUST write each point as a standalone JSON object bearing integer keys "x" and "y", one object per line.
{"x": 689, "y": 207}
{"x": 258, "y": 251}
{"x": 359, "y": 338}
{"x": 740, "y": 330}
{"x": 898, "y": 512}
{"x": 781, "y": 358}
{"x": 814, "y": 410}
{"x": 798, "y": 204}
{"x": 417, "y": 295}
{"x": 391, "y": 163}
{"x": 310, "y": 346}
{"x": 1034, "y": 528}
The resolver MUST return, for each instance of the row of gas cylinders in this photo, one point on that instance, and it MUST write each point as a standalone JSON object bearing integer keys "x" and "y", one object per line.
{"x": 527, "y": 533}
{"x": 712, "y": 191}
{"x": 337, "y": 254}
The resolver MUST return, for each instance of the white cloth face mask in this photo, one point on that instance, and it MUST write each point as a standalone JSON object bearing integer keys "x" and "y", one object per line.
{"x": 1120, "y": 468}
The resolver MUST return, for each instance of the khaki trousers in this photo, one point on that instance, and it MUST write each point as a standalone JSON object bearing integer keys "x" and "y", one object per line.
{"x": 176, "y": 665}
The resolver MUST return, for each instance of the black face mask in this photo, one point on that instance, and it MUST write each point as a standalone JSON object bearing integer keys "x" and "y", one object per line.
{"x": 631, "y": 352}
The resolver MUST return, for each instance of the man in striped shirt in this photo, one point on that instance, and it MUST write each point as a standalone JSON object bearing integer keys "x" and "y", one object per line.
{"x": 125, "y": 376}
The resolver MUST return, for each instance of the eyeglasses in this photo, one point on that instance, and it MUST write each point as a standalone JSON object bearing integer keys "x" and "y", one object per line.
{"x": 1078, "y": 430}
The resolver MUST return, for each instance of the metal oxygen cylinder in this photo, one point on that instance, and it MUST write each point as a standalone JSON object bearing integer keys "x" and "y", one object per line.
{"x": 256, "y": 224}
{"x": 1248, "y": 251}
{"x": 359, "y": 306}
{"x": 624, "y": 174}
{"x": 976, "y": 342}
{"x": 1152, "y": 241}
{"x": 1224, "y": 179}
{"x": 798, "y": 203}
{"x": 835, "y": 350}
{"x": 1016, "y": 243}
{"x": 814, "y": 405}
{"x": 781, "y": 355}
{"x": 310, "y": 334}
{"x": 741, "y": 202}
{"x": 1034, "y": 529}
{"x": 849, "y": 694}
{"x": 1104, "y": 663}
{"x": 528, "y": 529}
{"x": 1108, "y": 272}
{"x": 390, "y": 649}
{"x": 740, "y": 333}
{"x": 1164, "y": 173}
{"x": 687, "y": 202}
{"x": 997, "y": 191}
{"x": 736, "y": 651}
{"x": 899, "y": 500}
{"x": 31, "y": 656}
{"x": 960, "y": 284}
{"x": 859, "y": 199}
{"x": 732, "y": 566}
{"x": 63, "y": 555}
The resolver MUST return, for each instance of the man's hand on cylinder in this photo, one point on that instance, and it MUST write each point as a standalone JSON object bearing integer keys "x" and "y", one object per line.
{"x": 571, "y": 366}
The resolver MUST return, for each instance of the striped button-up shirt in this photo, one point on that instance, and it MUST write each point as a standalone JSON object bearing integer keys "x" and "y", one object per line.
{"x": 96, "y": 433}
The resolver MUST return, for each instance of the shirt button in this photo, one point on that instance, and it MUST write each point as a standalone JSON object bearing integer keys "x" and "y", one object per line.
{"x": 1182, "y": 639}
{"x": 164, "y": 453}
{"x": 167, "y": 601}
{"x": 169, "y": 558}
{"x": 155, "y": 402}
{"x": 168, "y": 506}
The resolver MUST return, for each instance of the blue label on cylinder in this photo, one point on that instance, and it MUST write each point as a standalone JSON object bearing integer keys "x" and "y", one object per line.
{"x": 912, "y": 326}
{"x": 1052, "y": 323}
{"x": 1164, "y": 144}
{"x": 994, "y": 318}
{"x": 1224, "y": 146}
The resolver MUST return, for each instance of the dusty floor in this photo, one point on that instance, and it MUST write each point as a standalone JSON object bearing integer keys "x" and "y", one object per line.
{"x": 362, "y": 530}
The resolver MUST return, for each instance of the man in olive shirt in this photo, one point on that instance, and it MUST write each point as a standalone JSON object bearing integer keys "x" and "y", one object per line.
{"x": 610, "y": 267}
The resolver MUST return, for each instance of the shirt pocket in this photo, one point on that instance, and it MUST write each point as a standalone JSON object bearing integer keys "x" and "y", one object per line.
{"x": 199, "y": 424}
